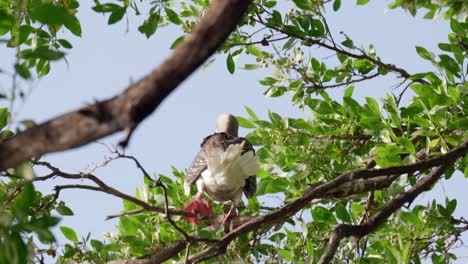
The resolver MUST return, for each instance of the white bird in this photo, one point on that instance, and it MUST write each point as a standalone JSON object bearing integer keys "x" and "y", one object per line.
{"x": 224, "y": 168}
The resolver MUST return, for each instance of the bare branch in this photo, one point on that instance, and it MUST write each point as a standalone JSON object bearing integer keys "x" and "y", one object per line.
{"x": 133, "y": 212}
{"x": 110, "y": 190}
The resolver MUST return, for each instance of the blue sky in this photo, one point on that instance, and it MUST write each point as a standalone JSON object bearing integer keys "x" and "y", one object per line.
{"x": 108, "y": 58}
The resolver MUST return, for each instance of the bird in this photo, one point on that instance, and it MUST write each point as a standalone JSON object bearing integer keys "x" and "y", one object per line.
{"x": 224, "y": 169}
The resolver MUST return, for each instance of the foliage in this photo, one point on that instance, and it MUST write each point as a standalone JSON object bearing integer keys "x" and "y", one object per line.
{"x": 344, "y": 134}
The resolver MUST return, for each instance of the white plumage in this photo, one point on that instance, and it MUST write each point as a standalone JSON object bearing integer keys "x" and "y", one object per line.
{"x": 227, "y": 171}
{"x": 224, "y": 168}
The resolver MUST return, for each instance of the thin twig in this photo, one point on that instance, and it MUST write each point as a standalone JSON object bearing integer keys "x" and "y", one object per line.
{"x": 132, "y": 212}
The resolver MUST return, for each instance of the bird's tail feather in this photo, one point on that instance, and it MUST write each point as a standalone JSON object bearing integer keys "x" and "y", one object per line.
{"x": 249, "y": 164}
{"x": 218, "y": 159}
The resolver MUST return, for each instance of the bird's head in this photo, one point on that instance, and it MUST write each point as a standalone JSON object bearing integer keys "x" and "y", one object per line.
{"x": 227, "y": 123}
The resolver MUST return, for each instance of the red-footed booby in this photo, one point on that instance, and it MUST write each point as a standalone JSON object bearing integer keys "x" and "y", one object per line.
{"x": 224, "y": 168}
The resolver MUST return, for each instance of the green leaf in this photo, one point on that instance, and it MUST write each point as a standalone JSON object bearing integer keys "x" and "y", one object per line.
{"x": 319, "y": 28}
{"x": 286, "y": 254}
{"x": 445, "y": 47}
{"x": 336, "y": 5}
{"x": 315, "y": 64}
{"x": 65, "y": 43}
{"x": 423, "y": 90}
{"x": 41, "y": 53}
{"x": 25, "y": 198}
{"x": 177, "y": 41}
{"x": 302, "y": 4}
{"x": 270, "y": 4}
{"x": 362, "y": 2}
{"x": 96, "y": 244}
{"x": 456, "y": 26}
{"x": 451, "y": 205}
{"x": 251, "y": 66}
{"x": 116, "y": 15}
{"x": 50, "y": 14}
{"x": 64, "y": 210}
{"x": 73, "y": 24}
{"x": 349, "y": 91}
{"x": 348, "y": 43}
{"x": 23, "y": 71}
{"x": 388, "y": 155}
{"x": 20, "y": 36}
{"x": 69, "y": 233}
{"x": 373, "y": 105}
{"x": 423, "y": 53}
{"x": 230, "y": 64}
{"x": 245, "y": 123}
{"x": 342, "y": 214}
{"x": 269, "y": 185}
{"x": 251, "y": 113}
{"x": 172, "y": 16}
{"x": 4, "y": 116}
{"x": 6, "y": 22}
{"x": 42, "y": 68}
{"x": 450, "y": 64}
{"x": 407, "y": 144}
{"x": 106, "y": 8}
{"x": 150, "y": 25}
{"x": 319, "y": 106}
{"x": 322, "y": 214}
{"x": 268, "y": 81}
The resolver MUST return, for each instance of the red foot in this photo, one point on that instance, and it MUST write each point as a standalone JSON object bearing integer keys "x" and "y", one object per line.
{"x": 200, "y": 206}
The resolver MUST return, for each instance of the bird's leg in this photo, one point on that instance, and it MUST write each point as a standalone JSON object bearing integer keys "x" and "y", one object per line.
{"x": 198, "y": 196}
{"x": 232, "y": 212}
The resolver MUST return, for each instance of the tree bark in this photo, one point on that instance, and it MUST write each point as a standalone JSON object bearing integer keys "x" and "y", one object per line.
{"x": 126, "y": 110}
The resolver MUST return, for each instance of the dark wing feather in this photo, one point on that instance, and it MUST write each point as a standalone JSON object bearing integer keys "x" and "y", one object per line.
{"x": 250, "y": 187}
{"x": 196, "y": 168}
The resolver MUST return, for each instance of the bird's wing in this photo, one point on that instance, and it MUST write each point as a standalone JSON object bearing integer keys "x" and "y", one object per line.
{"x": 250, "y": 187}
{"x": 196, "y": 168}
{"x": 199, "y": 163}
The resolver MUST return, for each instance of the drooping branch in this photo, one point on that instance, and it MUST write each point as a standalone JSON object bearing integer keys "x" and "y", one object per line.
{"x": 126, "y": 110}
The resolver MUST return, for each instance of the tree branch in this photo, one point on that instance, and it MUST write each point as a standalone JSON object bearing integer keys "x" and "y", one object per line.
{"x": 102, "y": 187}
{"x": 378, "y": 218}
{"x": 128, "y": 109}
{"x": 390, "y": 67}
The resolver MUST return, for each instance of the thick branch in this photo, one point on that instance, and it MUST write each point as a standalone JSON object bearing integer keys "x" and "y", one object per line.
{"x": 377, "y": 219}
{"x": 126, "y": 110}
